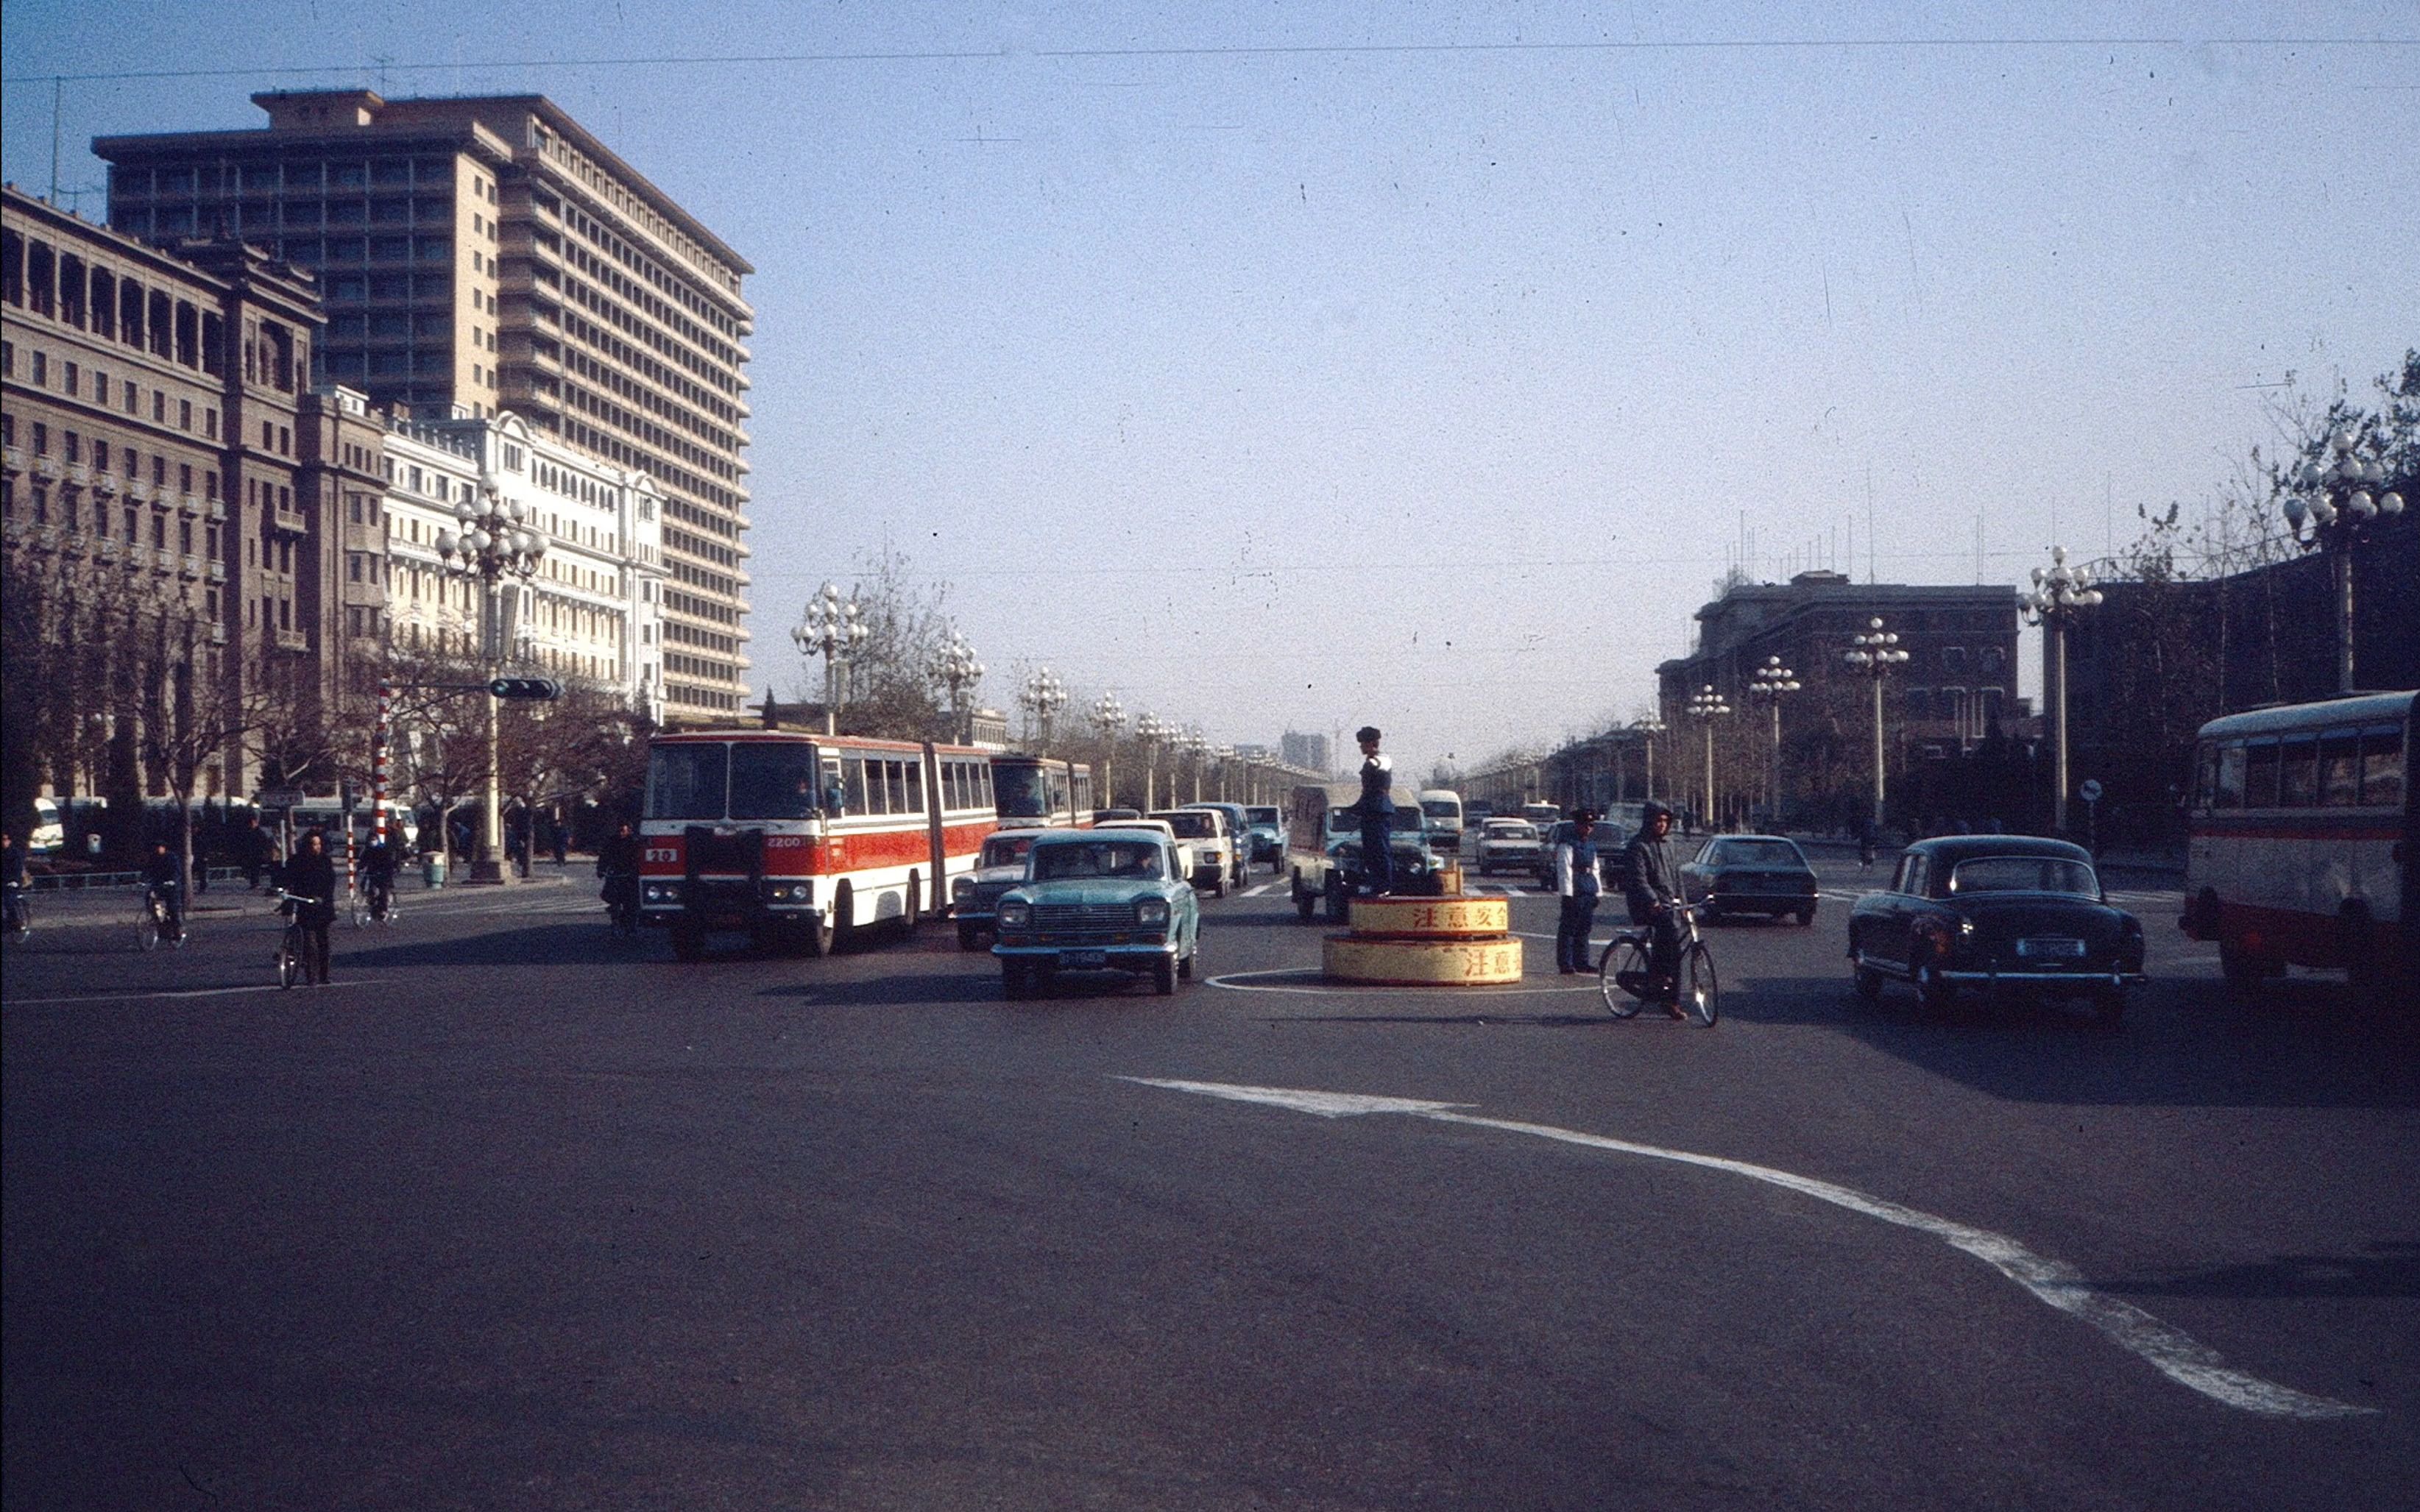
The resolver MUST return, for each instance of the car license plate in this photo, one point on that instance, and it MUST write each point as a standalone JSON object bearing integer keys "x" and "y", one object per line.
{"x": 2047, "y": 947}
{"x": 1083, "y": 959}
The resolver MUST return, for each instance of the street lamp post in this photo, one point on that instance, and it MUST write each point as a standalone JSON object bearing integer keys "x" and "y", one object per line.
{"x": 1771, "y": 683}
{"x": 1706, "y": 706}
{"x": 2339, "y": 512}
{"x": 1650, "y": 728}
{"x": 1195, "y": 744}
{"x": 1109, "y": 716}
{"x": 1151, "y": 730}
{"x": 1873, "y": 654}
{"x": 1042, "y": 697}
{"x": 832, "y": 628}
{"x": 1226, "y": 755}
{"x": 960, "y": 673}
{"x": 498, "y": 549}
{"x": 2059, "y": 594}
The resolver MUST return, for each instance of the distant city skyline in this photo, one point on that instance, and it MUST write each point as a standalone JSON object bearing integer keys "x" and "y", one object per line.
{"x": 1426, "y": 369}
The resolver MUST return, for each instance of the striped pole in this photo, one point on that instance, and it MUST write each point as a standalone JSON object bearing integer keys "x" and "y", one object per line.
{"x": 377, "y": 760}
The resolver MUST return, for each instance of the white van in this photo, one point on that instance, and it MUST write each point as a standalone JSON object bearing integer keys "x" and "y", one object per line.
{"x": 1441, "y": 816}
{"x": 49, "y": 835}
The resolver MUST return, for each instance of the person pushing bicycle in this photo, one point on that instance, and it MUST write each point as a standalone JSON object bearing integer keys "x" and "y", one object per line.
{"x": 1654, "y": 900}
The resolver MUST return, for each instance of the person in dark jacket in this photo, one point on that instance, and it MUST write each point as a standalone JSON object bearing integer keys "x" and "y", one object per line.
{"x": 1648, "y": 886}
{"x": 311, "y": 876}
{"x": 161, "y": 871}
{"x": 1378, "y": 810}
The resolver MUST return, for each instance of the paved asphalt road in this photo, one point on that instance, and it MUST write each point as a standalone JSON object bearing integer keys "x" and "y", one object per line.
{"x": 514, "y": 1216}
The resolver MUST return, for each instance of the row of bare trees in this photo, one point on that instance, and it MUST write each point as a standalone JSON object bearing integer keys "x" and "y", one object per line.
{"x": 116, "y": 690}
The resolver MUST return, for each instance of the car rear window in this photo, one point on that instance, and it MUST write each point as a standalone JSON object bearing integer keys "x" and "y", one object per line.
{"x": 2024, "y": 873}
{"x": 1757, "y": 853}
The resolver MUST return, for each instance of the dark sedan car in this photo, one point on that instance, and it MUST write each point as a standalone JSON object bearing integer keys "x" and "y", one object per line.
{"x": 1996, "y": 911}
{"x": 1735, "y": 875}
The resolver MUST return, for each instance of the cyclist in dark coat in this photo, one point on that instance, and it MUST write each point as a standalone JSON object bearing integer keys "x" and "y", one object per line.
{"x": 1649, "y": 888}
{"x": 312, "y": 874}
{"x": 159, "y": 877}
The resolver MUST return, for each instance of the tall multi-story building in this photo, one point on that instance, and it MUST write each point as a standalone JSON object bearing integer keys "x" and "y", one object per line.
{"x": 1309, "y": 751}
{"x": 485, "y": 254}
{"x": 162, "y": 458}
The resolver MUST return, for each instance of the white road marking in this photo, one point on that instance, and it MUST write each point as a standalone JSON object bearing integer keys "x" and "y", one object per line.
{"x": 1256, "y": 891}
{"x": 2170, "y": 1350}
{"x": 190, "y": 992}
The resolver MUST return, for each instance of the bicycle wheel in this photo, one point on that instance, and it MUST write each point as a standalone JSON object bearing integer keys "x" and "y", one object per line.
{"x": 289, "y": 961}
{"x": 147, "y": 929}
{"x": 1622, "y": 968}
{"x": 357, "y": 909}
{"x": 1699, "y": 991}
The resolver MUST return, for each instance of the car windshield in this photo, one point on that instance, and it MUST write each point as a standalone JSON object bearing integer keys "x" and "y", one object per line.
{"x": 1441, "y": 809}
{"x": 1005, "y": 850}
{"x": 1262, "y": 816}
{"x": 1757, "y": 853}
{"x": 1095, "y": 858}
{"x": 687, "y": 781}
{"x": 1510, "y": 829}
{"x": 1191, "y": 825}
{"x": 2024, "y": 873}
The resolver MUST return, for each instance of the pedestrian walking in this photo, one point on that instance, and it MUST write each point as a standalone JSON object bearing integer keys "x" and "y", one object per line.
{"x": 256, "y": 850}
{"x": 1377, "y": 809}
{"x": 1577, "y": 884}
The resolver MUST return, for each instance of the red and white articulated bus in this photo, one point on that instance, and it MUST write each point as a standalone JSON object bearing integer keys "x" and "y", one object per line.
{"x": 799, "y": 840}
{"x": 2303, "y": 835}
{"x": 1042, "y": 790}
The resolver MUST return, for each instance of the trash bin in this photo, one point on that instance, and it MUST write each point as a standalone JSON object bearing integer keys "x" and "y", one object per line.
{"x": 432, "y": 869}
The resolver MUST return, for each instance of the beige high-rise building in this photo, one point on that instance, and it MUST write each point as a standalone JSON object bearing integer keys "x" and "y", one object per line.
{"x": 482, "y": 255}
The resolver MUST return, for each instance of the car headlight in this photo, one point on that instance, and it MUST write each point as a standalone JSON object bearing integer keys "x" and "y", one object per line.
{"x": 963, "y": 889}
{"x": 1965, "y": 928}
{"x": 1016, "y": 914}
{"x": 1152, "y": 913}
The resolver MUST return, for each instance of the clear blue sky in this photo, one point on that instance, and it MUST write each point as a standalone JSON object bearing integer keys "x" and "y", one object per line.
{"x": 1308, "y": 364}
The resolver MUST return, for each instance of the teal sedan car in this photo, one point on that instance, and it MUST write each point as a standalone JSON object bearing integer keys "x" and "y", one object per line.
{"x": 1099, "y": 899}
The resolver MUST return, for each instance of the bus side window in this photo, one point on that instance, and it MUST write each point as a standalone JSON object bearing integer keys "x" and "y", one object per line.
{"x": 2230, "y": 775}
{"x": 915, "y": 786}
{"x": 2340, "y": 768}
{"x": 853, "y": 768}
{"x": 2260, "y": 775}
{"x": 2381, "y": 768}
{"x": 2206, "y": 775}
{"x": 2298, "y": 772}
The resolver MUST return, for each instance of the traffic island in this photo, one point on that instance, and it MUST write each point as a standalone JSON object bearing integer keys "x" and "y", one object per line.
{"x": 1453, "y": 941}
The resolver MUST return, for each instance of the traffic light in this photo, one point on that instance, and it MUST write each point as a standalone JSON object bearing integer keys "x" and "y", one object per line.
{"x": 525, "y": 687}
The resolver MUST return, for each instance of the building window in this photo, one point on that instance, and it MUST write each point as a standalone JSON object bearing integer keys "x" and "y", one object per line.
{"x": 1953, "y": 659}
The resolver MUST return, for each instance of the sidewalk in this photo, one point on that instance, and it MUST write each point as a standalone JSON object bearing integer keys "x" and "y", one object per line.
{"x": 230, "y": 898}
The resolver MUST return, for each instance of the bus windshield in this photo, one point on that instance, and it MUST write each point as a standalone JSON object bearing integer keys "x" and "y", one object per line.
{"x": 772, "y": 779}
{"x": 1020, "y": 792}
{"x": 687, "y": 781}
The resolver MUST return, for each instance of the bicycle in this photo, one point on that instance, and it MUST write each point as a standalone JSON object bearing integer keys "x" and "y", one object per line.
{"x": 294, "y": 948}
{"x": 373, "y": 904}
{"x": 1621, "y": 973}
{"x": 157, "y": 923}
{"x": 21, "y": 914}
{"x": 621, "y": 891}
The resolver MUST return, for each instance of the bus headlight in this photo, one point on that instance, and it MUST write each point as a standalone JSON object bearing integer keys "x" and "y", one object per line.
{"x": 661, "y": 892}
{"x": 1016, "y": 914}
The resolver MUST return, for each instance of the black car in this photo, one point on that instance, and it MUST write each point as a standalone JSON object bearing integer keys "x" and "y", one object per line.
{"x": 1996, "y": 911}
{"x": 1608, "y": 840}
{"x": 1734, "y": 875}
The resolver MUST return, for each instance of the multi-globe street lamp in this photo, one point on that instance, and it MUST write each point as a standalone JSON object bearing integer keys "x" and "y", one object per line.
{"x": 1042, "y": 697}
{"x": 1769, "y": 684}
{"x": 2060, "y": 593}
{"x": 832, "y": 627}
{"x": 1153, "y": 732}
{"x": 959, "y": 672}
{"x": 1705, "y": 706}
{"x": 1109, "y": 718}
{"x": 1648, "y": 729}
{"x": 496, "y": 548}
{"x": 1195, "y": 743}
{"x": 2336, "y": 514}
{"x": 1226, "y": 756}
{"x": 1873, "y": 654}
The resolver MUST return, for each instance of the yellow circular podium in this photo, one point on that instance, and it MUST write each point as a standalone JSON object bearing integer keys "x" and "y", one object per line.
{"x": 1421, "y": 963}
{"x": 1453, "y": 941}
